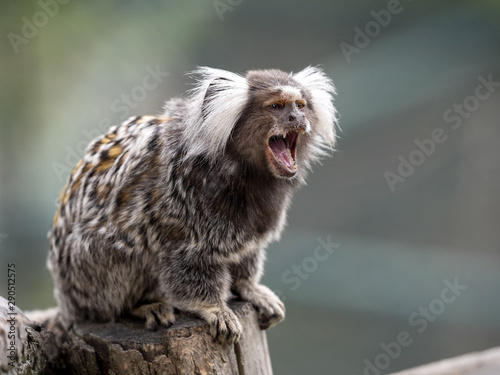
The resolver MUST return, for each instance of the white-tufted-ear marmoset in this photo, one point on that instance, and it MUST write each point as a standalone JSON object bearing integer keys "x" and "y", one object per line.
{"x": 175, "y": 211}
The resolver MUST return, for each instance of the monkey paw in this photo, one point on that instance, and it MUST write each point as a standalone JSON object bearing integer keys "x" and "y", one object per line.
{"x": 225, "y": 326}
{"x": 154, "y": 313}
{"x": 271, "y": 309}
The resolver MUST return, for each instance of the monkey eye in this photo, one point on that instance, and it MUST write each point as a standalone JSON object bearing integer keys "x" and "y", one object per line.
{"x": 300, "y": 104}
{"x": 275, "y": 106}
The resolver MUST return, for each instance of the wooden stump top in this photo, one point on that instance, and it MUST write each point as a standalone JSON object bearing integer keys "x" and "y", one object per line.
{"x": 126, "y": 347}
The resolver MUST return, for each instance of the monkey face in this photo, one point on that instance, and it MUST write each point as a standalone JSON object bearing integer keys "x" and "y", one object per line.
{"x": 287, "y": 109}
{"x": 276, "y": 128}
{"x": 268, "y": 121}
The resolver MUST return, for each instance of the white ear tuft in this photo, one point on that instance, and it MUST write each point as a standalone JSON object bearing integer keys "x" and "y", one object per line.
{"x": 214, "y": 108}
{"x": 322, "y": 91}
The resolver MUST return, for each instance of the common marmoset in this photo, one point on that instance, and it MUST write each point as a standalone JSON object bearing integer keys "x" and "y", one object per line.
{"x": 175, "y": 211}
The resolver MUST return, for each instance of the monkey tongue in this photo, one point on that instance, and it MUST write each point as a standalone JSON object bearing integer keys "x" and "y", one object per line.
{"x": 282, "y": 152}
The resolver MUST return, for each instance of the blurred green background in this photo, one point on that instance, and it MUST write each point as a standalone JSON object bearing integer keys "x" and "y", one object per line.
{"x": 68, "y": 78}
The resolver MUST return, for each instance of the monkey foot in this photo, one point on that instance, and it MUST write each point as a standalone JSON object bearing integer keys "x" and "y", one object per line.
{"x": 271, "y": 309}
{"x": 225, "y": 326}
{"x": 157, "y": 312}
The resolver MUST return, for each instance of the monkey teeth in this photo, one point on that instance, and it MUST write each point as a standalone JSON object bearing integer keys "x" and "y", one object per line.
{"x": 282, "y": 146}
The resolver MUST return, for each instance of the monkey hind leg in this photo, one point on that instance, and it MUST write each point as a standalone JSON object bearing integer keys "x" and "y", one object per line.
{"x": 157, "y": 312}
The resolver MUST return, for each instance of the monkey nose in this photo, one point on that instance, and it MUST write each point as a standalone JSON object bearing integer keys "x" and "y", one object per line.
{"x": 291, "y": 118}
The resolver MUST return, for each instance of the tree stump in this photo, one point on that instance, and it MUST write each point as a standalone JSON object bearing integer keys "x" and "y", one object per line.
{"x": 126, "y": 347}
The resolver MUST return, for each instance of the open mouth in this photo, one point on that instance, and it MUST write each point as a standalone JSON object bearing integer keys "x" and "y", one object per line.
{"x": 282, "y": 147}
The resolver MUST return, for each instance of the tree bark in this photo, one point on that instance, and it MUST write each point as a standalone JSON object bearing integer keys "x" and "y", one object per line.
{"x": 126, "y": 347}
